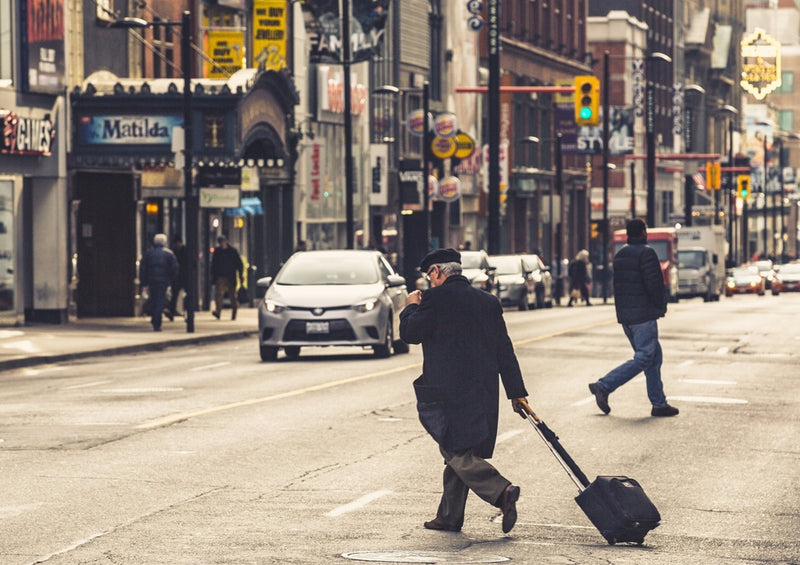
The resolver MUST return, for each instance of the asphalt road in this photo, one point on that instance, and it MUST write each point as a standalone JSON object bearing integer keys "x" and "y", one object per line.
{"x": 205, "y": 455}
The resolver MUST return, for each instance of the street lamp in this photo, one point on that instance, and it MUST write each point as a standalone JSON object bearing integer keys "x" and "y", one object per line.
{"x": 425, "y": 161}
{"x": 650, "y": 131}
{"x": 190, "y": 191}
{"x": 733, "y": 112}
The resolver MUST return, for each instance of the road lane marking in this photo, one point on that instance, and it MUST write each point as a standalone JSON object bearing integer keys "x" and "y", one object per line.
{"x": 86, "y": 385}
{"x": 708, "y": 399}
{"x": 685, "y": 363}
{"x": 358, "y": 503}
{"x": 212, "y": 366}
{"x": 167, "y": 420}
{"x": 706, "y": 382}
{"x": 508, "y": 435}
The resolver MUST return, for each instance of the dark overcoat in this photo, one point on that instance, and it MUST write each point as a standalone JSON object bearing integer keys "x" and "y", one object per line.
{"x": 466, "y": 346}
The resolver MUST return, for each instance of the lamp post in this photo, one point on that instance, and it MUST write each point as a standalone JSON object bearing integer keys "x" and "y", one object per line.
{"x": 650, "y": 132}
{"x": 190, "y": 191}
{"x": 348, "y": 128}
{"x": 425, "y": 161}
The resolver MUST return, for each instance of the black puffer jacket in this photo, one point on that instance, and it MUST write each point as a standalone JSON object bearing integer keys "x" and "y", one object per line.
{"x": 639, "y": 293}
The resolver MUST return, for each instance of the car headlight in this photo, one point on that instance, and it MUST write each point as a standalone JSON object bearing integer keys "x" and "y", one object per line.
{"x": 273, "y": 307}
{"x": 366, "y": 306}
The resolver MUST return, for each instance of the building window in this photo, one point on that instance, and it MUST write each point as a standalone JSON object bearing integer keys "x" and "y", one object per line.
{"x": 787, "y": 83}
{"x": 786, "y": 120}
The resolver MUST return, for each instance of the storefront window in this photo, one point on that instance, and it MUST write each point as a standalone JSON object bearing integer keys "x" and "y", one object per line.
{"x": 6, "y": 246}
{"x": 6, "y": 43}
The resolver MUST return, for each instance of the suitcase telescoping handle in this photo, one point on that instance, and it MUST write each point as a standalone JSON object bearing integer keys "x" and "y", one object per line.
{"x": 551, "y": 440}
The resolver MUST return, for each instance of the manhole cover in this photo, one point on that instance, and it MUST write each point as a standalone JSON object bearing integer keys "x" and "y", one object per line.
{"x": 401, "y": 556}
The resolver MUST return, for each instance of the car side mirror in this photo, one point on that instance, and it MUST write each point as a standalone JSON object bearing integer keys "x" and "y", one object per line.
{"x": 264, "y": 282}
{"x": 396, "y": 280}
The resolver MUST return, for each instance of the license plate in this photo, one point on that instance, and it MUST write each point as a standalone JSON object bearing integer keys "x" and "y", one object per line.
{"x": 318, "y": 327}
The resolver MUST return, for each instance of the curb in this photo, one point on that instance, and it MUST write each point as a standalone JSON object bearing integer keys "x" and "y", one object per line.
{"x": 23, "y": 362}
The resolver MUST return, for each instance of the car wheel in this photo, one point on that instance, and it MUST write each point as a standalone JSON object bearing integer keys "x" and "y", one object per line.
{"x": 292, "y": 351}
{"x": 385, "y": 350}
{"x": 268, "y": 352}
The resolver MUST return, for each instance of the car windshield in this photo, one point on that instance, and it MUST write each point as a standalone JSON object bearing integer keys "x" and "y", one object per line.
{"x": 323, "y": 269}
{"x": 660, "y": 248}
{"x": 691, "y": 259}
{"x": 790, "y": 268}
{"x": 470, "y": 260}
{"x": 507, "y": 265}
{"x": 743, "y": 272}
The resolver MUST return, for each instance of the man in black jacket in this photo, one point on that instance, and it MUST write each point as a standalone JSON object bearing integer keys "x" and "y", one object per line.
{"x": 640, "y": 299}
{"x": 227, "y": 271}
{"x": 466, "y": 346}
{"x": 157, "y": 269}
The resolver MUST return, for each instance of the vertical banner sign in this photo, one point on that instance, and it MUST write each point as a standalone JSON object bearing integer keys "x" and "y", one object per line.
{"x": 379, "y": 188}
{"x": 225, "y": 50}
{"x": 317, "y": 177}
{"x": 269, "y": 34}
{"x": 43, "y": 46}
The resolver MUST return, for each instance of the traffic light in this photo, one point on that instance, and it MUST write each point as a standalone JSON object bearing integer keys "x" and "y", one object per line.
{"x": 743, "y": 182}
{"x": 587, "y": 100}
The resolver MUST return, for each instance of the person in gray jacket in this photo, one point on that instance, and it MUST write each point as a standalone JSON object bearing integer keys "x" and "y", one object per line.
{"x": 157, "y": 270}
{"x": 466, "y": 347}
{"x": 640, "y": 300}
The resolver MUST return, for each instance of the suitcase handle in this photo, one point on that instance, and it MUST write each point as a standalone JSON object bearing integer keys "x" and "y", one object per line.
{"x": 551, "y": 440}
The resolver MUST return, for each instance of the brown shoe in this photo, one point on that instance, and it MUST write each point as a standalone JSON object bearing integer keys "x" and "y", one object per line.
{"x": 509, "y": 507}
{"x": 438, "y": 524}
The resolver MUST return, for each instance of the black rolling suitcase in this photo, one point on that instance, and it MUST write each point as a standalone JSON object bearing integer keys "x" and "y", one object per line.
{"x": 617, "y": 506}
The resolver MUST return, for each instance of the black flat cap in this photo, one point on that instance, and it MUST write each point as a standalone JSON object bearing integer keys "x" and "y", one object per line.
{"x": 439, "y": 256}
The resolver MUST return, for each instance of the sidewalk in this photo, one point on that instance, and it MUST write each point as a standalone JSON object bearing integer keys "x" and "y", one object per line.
{"x": 40, "y": 344}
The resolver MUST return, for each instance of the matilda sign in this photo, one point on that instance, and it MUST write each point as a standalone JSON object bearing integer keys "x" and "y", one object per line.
{"x": 761, "y": 64}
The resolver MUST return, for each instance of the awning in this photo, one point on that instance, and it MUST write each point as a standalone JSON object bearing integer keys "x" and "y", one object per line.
{"x": 250, "y": 206}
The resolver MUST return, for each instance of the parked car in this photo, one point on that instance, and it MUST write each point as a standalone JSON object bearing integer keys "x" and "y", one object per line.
{"x": 475, "y": 266}
{"x": 515, "y": 283}
{"x": 326, "y": 298}
{"x": 744, "y": 280}
{"x": 786, "y": 278}
{"x": 542, "y": 279}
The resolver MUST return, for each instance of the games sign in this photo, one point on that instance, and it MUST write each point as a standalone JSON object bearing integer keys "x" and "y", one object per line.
{"x": 761, "y": 64}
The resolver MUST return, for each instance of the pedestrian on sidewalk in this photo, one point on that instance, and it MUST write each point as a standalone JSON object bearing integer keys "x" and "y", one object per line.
{"x": 181, "y": 282}
{"x": 579, "y": 278}
{"x": 227, "y": 270}
{"x": 640, "y": 299}
{"x": 157, "y": 270}
{"x": 466, "y": 346}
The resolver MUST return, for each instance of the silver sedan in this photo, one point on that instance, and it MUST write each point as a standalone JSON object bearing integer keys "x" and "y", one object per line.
{"x": 332, "y": 297}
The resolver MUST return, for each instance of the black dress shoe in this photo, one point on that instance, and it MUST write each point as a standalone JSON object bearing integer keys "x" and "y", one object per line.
{"x": 438, "y": 524}
{"x": 509, "y": 507}
{"x": 664, "y": 411}
{"x": 215, "y": 314}
{"x": 601, "y": 397}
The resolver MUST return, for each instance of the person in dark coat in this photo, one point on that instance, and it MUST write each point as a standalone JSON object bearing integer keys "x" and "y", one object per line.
{"x": 579, "y": 277}
{"x": 227, "y": 271}
{"x": 466, "y": 346}
{"x": 640, "y": 300}
{"x": 181, "y": 282}
{"x": 157, "y": 269}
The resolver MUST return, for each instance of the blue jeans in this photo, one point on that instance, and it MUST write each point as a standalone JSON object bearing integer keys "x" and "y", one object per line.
{"x": 646, "y": 357}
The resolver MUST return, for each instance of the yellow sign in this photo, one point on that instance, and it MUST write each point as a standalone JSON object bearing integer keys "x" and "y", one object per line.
{"x": 761, "y": 64}
{"x": 443, "y": 147}
{"x": 269, "y": 33}
{"x": 465, "y": 145}
{"x": 713, "y": 175}
{"x": 225, "y": 50}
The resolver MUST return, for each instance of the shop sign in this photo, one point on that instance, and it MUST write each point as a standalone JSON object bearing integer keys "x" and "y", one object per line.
{"x": 761, "y": 64}
{"x": 43, "y": 54}
{"x": 220, "y": 197}
{"x": 450, "y": 189}
{"x": 127, "y": 130}
{"x": 225, "y": 52}
{"x": 367, "y": 23}
{"x": 443, "y": 148}
{"x": 316, "y": 156}
{"x": 26, "y": 136}
{"x": 269, "y": 33}
{"x": 331, "y": 92}
{"x": 445, "y": 125}
{"x": 378, "y": 164}
{"x": 465, "y": 146}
